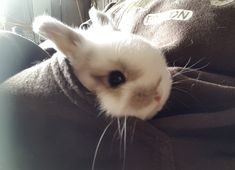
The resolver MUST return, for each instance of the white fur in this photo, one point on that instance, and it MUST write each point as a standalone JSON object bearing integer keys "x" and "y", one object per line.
{"x": 96, "y": 52}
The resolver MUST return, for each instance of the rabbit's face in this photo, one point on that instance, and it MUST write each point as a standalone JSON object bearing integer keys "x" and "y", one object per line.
{"x": 128, "y": 75}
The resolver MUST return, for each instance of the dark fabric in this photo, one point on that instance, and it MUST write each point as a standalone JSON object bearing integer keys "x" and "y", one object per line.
{"x": 207, "y": 36}
{"x": 50, "y": 121}
{"x": 53, "y": 124}
{"x": 17, "y": 53}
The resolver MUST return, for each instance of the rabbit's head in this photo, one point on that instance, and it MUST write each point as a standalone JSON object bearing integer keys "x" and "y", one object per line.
{"x": 128, "y": 75}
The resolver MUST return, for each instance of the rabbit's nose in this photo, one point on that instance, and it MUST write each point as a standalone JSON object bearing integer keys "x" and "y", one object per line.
{"x": 157, "y": 98}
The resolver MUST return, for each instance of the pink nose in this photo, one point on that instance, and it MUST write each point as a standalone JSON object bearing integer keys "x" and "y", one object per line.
{"x": 157, "y": 99}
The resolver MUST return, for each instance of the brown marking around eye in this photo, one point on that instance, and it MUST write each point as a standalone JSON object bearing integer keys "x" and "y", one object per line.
{"x": 130, "y": 73}
{"x": 101, "y": 77}
{"x": 105, "y": 87}
{"x": 102, "y": 74}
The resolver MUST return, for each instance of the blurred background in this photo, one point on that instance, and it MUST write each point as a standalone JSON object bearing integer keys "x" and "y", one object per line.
{"x": 17, "y": 15}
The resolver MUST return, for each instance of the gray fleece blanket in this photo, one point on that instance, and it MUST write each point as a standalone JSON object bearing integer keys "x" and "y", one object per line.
{"x": 50, "y": 121}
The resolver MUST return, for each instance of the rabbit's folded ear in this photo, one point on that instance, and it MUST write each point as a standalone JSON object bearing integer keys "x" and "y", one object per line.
{"x": 67, "y": 40}
{"x": 100, "y": 19}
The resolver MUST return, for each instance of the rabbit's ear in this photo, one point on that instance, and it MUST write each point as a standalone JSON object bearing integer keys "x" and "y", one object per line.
{"x": 99, "y": 19}
{"x": 67, "y": 40}
{"x": 73, "y": 44}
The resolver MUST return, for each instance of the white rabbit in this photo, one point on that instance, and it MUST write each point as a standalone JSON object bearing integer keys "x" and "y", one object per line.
{"x": 128, "y": 75}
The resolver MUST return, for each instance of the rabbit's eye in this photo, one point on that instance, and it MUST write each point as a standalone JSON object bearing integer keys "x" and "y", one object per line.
{"x": 116, "y": 78}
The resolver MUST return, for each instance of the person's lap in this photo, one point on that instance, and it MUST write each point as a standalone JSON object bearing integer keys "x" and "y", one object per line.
{"x": 17, "y": 54}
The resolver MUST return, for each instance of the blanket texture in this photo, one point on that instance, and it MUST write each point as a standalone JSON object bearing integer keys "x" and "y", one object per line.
{"x": 50, "y": 121}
